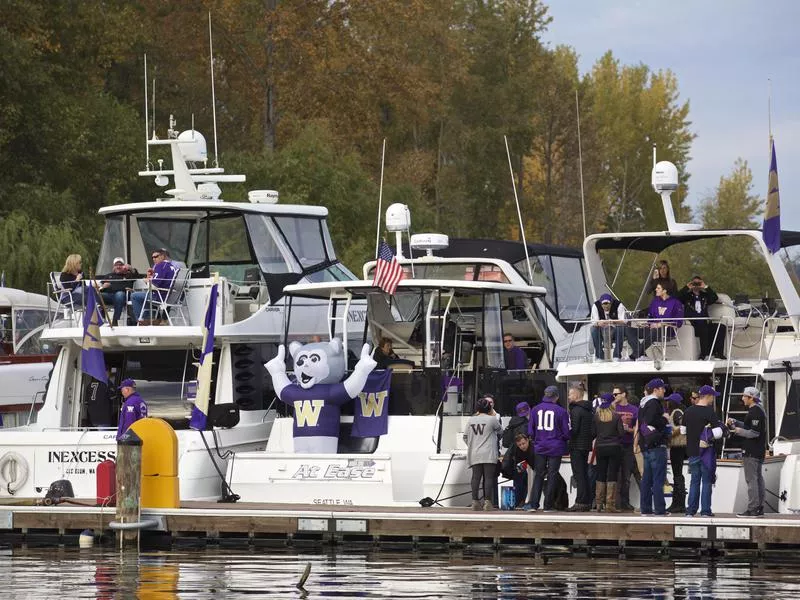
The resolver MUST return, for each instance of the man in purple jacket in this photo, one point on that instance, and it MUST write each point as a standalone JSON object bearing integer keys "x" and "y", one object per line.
{"x": 160, "y": 278}
{"x": 549, "y": 429}
{"x": 665, "y": 312}
{"x": 133, "y": 409}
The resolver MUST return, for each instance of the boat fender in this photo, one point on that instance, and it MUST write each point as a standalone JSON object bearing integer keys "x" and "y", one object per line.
{"x": 13, "y": 471}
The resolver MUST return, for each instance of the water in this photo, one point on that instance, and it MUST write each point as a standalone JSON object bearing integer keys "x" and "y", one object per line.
{"x": 102, "y": 573}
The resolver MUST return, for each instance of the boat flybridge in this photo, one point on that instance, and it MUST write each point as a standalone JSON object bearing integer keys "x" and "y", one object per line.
{"x": 446, "y": 321}
{"x": 25, "y": 360}
{"x": 252, "y": 249}
{"x": 758, "y": 330}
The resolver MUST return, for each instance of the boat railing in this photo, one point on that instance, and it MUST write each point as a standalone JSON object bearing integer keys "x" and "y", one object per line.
{"x": 238, "y": 300}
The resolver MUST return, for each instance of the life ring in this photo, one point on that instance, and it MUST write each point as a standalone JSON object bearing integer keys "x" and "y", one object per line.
{"x": 13, "y": 471}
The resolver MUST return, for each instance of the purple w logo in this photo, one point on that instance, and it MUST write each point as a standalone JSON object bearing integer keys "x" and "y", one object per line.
{"x": 477, "y": 428}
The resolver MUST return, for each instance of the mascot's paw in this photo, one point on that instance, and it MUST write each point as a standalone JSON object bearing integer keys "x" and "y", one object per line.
{"x": 365, "y": 362}
{"x": 278, "y": 364}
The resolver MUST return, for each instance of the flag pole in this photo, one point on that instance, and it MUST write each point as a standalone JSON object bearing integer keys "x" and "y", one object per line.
{"x": 380, "y": 202}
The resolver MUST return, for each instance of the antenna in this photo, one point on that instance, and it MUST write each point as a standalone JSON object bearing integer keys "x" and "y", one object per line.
{"x": 154, "y": 108}
{"x": 519, "y": 213}
{"x": 580, "y": 163}
{"x": 213, "y": 91}
{"x": 146, "y": 122}
{"x": 380, "y": 202}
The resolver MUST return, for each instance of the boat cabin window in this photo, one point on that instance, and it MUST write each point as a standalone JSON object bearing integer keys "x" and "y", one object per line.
{"x": 305, "y": 238}
{"x": 172, "y": 234}
{"x": 222, "y": 245}
{"x": 28, "y": 326}
{"x": 272, "y": 251}
{"x": 113, "y": 244}
{"x": 571, "y": 293}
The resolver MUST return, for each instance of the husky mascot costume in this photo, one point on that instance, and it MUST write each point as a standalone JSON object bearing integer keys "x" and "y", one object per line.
{"x": 319, "y": 392}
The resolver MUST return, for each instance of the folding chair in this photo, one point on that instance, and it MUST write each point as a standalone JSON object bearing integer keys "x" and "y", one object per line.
{"x": 64, "y": 299}
{"x": 170, "y": 298}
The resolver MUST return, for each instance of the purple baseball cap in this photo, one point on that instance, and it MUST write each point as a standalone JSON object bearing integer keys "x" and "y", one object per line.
{"x": 707, "y": 390}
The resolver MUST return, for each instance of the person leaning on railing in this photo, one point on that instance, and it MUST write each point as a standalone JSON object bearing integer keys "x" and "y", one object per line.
{"x": 665, "y": 312}
{"x": 113, "y": 287}
{"x": 695, "y": 297}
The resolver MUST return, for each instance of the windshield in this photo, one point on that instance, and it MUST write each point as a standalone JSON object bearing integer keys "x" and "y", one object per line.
{"x": 113, "y": 245}
{"x": 305, "y": 238}
{"x": 272, "y": 252}
{"x": 28, "y": 326}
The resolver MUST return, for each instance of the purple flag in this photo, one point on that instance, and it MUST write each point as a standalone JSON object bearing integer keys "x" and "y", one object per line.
{"x": 371, "y": 408}
{"x": 200, "y": 408}
{"x": 772, "y": 215}
{"x": 92, "y": 360}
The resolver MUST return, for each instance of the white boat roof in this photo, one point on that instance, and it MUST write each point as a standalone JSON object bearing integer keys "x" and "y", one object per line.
{"x": 203, "y": 205}
{"x": 566, "y": 371}
{"x": 15, "y": 297}
{"x": 360, "y": 288}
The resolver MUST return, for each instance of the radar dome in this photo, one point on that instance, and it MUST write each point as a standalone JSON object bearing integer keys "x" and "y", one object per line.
{"x": 193, "y": 146}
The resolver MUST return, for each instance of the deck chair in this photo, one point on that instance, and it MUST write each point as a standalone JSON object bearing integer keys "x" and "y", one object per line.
{"x": 65, "y": 303}
{"x": 169, "y": 299}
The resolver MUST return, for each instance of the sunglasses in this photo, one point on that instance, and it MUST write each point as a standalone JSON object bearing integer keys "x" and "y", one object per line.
{"x": 156, "y": 255}
{"x": 618, "y": 393}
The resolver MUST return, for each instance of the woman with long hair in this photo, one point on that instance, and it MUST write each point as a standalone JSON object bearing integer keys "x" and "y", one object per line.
{"x": 71, "y": 279}
{"x": 608, "y": 431}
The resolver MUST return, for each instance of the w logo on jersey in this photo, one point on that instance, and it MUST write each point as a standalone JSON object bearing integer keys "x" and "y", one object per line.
{"x": 372, "y": 404}
{"x": 478, "y": 428}
{"x": 306, "y": 412}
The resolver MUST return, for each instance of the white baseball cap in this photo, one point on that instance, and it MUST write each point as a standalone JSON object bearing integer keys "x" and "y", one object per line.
{"x": 119, "y": 259}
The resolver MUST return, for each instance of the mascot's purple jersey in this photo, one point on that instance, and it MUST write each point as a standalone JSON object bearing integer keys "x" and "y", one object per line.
{"x": 316, "y": 410}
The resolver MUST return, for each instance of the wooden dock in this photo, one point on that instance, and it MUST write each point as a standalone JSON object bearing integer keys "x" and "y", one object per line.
{"x": 200, "y": 524}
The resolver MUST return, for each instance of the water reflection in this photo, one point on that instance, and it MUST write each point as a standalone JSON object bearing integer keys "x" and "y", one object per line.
{"x": 102, "y": 573}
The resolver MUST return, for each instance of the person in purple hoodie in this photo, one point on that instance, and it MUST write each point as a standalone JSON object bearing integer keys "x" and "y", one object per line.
{"x": 549, "y": 428}
{"x": 159, "y": 278}
{"x": 664, "y": 311}
{"x": 133, "y": 409}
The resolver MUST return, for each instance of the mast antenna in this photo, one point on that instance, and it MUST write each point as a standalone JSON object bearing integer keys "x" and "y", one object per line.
{"x": 519, "y": 213}
{"x": 213, "y": 91}
{"x": 580, "y": 162}
{"x": 146, "y": 118}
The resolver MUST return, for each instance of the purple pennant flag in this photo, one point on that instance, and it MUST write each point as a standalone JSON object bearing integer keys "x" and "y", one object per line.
{"x": 371, "y": 408}
{"x": 772, "y": 215}
{"x": 200, "y": 409}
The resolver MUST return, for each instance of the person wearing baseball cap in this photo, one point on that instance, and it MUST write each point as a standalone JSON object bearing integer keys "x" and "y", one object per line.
{"x": 702, "y": 428}
{"x": 133, "y": 409}
{"x": 753, "y": 432}
{"x": 653, "y": 442}
{"x": 549, "y": 429}
{"x": 114, "y": 287}
{"x": 608, "y": 315}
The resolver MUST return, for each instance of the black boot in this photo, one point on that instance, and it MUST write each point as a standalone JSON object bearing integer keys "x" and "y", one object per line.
{"x": 678, "y": 506}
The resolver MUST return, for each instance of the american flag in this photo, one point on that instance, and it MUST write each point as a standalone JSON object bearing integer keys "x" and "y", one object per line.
{"x": 388, "y": 271}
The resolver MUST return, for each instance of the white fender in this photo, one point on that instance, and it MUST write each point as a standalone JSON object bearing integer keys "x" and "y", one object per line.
{"x": 13, "y": 471}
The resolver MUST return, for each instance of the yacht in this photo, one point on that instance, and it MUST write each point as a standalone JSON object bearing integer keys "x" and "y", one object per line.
{"x": 759, "y": 334}
{"x": 446, "y": 320}
{"x": 25, "y": 359}
{"x": 252, "y": 248}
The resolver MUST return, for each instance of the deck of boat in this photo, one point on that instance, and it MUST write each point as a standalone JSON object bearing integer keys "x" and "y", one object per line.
{"x": 211, "y": 523}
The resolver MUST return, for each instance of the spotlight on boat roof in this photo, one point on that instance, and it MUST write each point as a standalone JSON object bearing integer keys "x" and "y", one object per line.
{"x": 193, "y": 147}
{"x": 429, "y": 242}
{"x": 263, "y": 196}
{"x": 398, "y": 217}
{"x": 162, "y": 180}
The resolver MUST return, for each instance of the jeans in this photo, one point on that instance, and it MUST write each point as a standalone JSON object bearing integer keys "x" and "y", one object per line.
{"x": 655, "y": 473}
{"x": 521, "y": 487}
{"x": 579, "y": 460}
{"x": 627, "y": 468}
{"x": 618, "y": 333}
{"x": 118, "y": 300}
{"x": 700, "y": 487}
{"x": 138, "y": 300}
{"x": 549, "y": 465}
{"x": 754, "y": 476}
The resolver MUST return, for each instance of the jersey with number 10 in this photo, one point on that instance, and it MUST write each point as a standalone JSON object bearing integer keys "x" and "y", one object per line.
{"x": 549, "y": 427}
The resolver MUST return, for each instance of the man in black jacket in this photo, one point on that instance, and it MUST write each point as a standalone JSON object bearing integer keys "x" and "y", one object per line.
{"x": 695, "y": 297}
{"x": 702, "y": 428}
{"x": 580, "y": 444}
{"x": 113, "y": 286}
{"x": 652, "y": 429}
{"x": 753, "y": 432}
